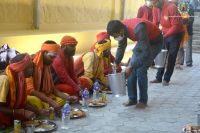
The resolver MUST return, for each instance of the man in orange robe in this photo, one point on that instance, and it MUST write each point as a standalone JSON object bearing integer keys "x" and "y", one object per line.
{"x": 13, "y": 91}
{"x": 63, "y": 68}
{"x": 44, "y": 89}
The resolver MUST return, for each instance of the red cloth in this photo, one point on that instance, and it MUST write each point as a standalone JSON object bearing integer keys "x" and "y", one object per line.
{"x": 79, "y": 66}
{"x": 68, "y": 40}
{"x": 86, "y": 82}
{"x": 152, "y": 30}
{"x": 171, "y": 25}
{"x": 145, "y": 13}
{"x": 64, "y": 68}
{"x": 6, "y": 120}
{"x": 66, "y": 89}
{"x": 156, "y": 15}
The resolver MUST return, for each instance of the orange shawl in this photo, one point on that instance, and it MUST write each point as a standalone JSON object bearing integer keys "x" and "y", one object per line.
{"x": 15, "y": 74}
{"x": 42, "y": 74}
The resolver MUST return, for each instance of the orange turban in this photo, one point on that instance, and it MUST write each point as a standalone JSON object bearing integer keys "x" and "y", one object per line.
{"x": 68, "y": 40}
{"x": 50, "y": 47}
{"x": 38, "y": 58}
{"x": 102, "y": 36}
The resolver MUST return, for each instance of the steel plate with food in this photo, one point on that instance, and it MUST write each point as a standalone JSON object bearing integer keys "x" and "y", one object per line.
{"x": 77, "y": 113}
{"x": 189, "y": 128}
{"x": 41, "y": 126}
{"x": 96, "y": 103}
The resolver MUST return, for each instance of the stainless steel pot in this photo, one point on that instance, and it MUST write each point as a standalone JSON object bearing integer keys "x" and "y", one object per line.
{"x": 117, "y": 83}
{"x": 160, "y": 59}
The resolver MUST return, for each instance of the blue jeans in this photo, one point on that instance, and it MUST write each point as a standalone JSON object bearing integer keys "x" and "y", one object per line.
{"x": 140, "y": 74}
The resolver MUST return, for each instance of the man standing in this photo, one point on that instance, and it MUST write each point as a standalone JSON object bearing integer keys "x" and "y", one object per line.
{"x": 149, "y": 43}
{"x": 172, "y": 29}
{"x": 188, "y": 53}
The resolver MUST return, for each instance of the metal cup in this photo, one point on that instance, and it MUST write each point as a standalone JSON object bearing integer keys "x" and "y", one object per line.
{"x": 29, "y": 129}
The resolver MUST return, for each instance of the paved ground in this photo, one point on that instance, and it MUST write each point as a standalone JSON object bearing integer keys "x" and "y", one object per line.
{"x": 169, "y": 108}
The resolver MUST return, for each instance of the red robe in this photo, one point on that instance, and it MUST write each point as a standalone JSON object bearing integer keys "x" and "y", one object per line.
{"x": 64, "y": 68}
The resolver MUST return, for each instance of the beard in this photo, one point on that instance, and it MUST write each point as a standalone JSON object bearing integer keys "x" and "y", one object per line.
{"x": 69, "y": 52}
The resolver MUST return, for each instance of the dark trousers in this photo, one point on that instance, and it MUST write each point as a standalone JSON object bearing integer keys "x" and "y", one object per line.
{"x": 172, "y": 44}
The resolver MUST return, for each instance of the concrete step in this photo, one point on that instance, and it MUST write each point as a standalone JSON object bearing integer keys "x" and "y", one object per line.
{"x": 195, "y": 48}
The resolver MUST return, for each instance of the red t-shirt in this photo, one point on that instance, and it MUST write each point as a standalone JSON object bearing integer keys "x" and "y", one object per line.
{"x": 171, "y": 20}
{"x": 152, "y": 30}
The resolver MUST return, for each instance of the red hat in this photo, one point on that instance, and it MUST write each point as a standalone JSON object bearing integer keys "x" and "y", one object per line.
{"x": 102, "y": 36}
{"x": 68, "y": 40}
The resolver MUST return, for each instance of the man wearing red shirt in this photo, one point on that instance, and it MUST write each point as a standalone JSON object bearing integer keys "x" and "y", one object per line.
{"x": 149, "y": 43}
{"x": 149, "y": 12}
{"x": 172, "y": 29}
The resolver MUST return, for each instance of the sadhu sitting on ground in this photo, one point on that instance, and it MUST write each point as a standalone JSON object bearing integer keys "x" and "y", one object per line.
{"x": 64, "y": 76}
{"x": 107, "y": 60}
{"x": 13, "y": 91}
{"x": 45, "y": 94}
{"x": 91, "y": 65}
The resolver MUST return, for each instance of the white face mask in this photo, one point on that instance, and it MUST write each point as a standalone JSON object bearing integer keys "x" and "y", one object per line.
{"x": 148, "y": 3}
{"x": 119, "y": 38}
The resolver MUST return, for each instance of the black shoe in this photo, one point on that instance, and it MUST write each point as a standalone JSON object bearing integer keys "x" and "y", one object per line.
{"x": 129, "y": 103}
{"x": 189, "y": 65}
{"x": 155, "y": 81}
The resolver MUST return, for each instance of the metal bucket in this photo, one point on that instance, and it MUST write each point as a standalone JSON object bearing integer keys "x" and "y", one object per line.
{"x": 117, "y": 83}
{"x": 161, "y": 59}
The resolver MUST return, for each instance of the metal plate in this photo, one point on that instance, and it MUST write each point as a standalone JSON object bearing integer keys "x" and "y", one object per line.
{"x": 191, "y": 129}
{"x": 45, "y": 126}
{"x": 77, "y": 113}
{"x": 97, "y": 104}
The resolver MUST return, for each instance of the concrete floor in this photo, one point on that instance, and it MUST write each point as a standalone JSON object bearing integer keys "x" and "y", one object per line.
{"x": 169, "y": 108}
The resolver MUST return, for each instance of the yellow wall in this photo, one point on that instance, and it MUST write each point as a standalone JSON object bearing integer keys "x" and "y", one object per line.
{"x": 32, "y": 43}
{"x": 82, "y": 19}
{"x": 131, "y": 8}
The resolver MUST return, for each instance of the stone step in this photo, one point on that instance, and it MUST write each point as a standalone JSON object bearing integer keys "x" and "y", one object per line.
{"x": 196, "y": 42}
{"x": 195, "y": 48}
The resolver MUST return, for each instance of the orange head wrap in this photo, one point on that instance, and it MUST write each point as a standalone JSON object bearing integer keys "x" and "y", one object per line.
{"x": 21, "y": 65}
{"x": 102, "y": 36}
{"x": 50, "y": 47}
{"x": 38, "y": 58}
{"x": 68, "y": 40}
